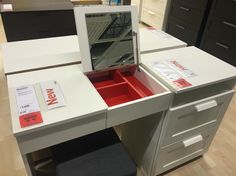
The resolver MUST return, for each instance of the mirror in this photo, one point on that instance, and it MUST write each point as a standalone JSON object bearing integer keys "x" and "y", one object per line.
{"x": 110, "y": 39}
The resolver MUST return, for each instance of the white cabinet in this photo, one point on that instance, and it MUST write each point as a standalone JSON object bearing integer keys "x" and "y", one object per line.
{"x": 200, "y": 101}
{"x": 153, "y": 12}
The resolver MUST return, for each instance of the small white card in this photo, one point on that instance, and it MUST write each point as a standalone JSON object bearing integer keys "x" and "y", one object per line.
{"x": 6, "y": 7}
{"x": 26, "y": 100}
{"x": 53, "y": 95}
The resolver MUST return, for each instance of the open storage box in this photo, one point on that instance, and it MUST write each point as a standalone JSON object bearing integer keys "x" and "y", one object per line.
{"x": 130, "y": 94}
{"x": 108, "y": 38}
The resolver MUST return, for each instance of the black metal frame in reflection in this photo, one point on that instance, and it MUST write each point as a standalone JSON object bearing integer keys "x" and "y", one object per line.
{"x": 110, "y": 39}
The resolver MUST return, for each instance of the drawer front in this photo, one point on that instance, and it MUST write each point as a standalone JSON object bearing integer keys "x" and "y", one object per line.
{"x": 138, "y": 109}
{"x": 152, "y": 18}
{"x": 221, "y": 49}
{"x": 225, "y": 9}
{"x": 192, "y": 118}
{"x": 47, "y": 137}
{"x": 182, "y": 31}
{"x": 187, "y": 14}
{"x": 183, "y": 151}
{"x": 199, "y": 4}
{"x": 155, "y": 5}
{"x": 222, "y": 29}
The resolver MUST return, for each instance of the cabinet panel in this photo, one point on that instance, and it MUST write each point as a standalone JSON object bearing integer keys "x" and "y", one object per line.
{"x": 222, "y": 29}
{"x": 199, "y": 4}
{"x": 38, "y": 24}
{"x": 221, "y": 49}
{"x": 192, "y": 118}
{"x": 152, "y": 18}
{"x": 182, "y": 31}
{"x": 225, "y": 9}
{"x": 155, "y": 5}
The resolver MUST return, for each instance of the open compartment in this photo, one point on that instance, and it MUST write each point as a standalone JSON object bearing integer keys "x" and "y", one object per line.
{"x": 123, "y": 85}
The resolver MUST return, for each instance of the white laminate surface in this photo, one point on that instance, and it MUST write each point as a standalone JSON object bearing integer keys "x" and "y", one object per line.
{"x": 81, "y": 97}
{"x": 40, "y": 53}
{"x": 208, "y": 69}
{"x": 152, "y": 40}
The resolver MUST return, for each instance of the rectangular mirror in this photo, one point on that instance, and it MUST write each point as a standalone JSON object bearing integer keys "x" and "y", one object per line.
{"x": 110, "y": 39}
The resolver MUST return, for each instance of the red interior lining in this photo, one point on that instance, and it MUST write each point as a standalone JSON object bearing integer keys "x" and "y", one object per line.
{"x": 117, "y": 87}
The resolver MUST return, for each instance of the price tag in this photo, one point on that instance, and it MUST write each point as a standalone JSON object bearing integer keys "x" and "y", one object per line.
{"x": 182, "y": 83}
{"x": 28, "y": 107}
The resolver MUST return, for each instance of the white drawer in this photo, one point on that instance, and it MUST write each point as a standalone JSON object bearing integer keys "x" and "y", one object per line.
{"x": 152, "y": 18}
{"x": 183, "y": 151}
{"x": 53, "y": 135}
{"x": 155, "y": 5}
{"x": 192, "y": 118}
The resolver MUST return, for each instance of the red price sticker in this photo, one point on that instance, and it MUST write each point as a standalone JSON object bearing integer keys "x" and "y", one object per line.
{"x": 30, "y": 119}
{"x": 182, "y": 83}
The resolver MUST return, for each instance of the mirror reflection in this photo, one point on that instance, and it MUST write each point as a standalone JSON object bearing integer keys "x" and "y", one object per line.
{"x": 110, "y": 39}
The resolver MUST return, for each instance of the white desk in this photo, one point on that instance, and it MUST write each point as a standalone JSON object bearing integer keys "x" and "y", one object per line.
{"x": 51, "y": 52}
{"x": 153, "y": 40}
{"x": 86, "y": 112}
{"x": 41, "y": 53}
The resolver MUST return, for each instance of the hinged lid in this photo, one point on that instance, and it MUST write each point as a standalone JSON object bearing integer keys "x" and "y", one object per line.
{"x": 108, "y": 36}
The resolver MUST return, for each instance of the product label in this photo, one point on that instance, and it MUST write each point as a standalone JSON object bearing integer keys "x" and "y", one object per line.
{"x": 52, "y": 93}
{"x": 170, "y": 74}
{"x": 28, "y": 107}
{"x": 187, "y": 73}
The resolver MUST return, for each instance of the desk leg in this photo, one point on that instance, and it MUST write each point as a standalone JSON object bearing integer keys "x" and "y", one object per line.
{"x": 27, "y": 161}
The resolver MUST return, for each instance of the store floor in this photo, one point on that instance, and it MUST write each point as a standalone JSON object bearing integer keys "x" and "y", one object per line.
{"x": 220, "y": 160}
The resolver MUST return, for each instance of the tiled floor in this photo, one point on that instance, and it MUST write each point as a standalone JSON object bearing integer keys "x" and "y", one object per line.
{"x": 220, "y": 160}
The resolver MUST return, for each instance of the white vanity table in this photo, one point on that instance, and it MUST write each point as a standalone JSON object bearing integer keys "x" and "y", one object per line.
{"x": 167, "y": 120}
{"x": 60, "y": 51}
{"x": 200, "y": 101}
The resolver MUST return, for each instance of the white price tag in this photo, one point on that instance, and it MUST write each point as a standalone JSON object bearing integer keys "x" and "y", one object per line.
{"x": 53, "y": 95}
{"x": 26, "y": 100}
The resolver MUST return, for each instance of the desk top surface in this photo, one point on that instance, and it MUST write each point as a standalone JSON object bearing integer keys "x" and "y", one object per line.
{"x": 201, "y": 68}
{"x": 38, "y": 5}
{"x": 41, "y": 53}
{"x": 152, "y": 40}
{"x": 35, "y": 54}
{"x": 73, "y": 84}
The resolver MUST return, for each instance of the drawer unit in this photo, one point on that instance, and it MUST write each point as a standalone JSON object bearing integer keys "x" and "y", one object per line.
{"x": 182, "y": 31}
{"x": 152, "y": 18}
{"x": 188, "y": 13}
{"x": 182, "y": 151}
{"x": 219, "y": 37}
{"x": 190, "y": 119}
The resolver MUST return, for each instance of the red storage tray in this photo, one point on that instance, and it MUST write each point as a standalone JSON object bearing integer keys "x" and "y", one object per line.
{"x": 117, "y": 86}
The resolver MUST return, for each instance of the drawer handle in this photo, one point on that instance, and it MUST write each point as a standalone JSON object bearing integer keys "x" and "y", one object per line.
{"x": 192, "y": 140}
{"x": 151, "y": 13}
{"x": 206, "y": 105}
{"x": 222, "y": 45}
{"x": 229, "y": 24}
{"x": 184, "y": 8}
{"x": 179, "y": 26}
